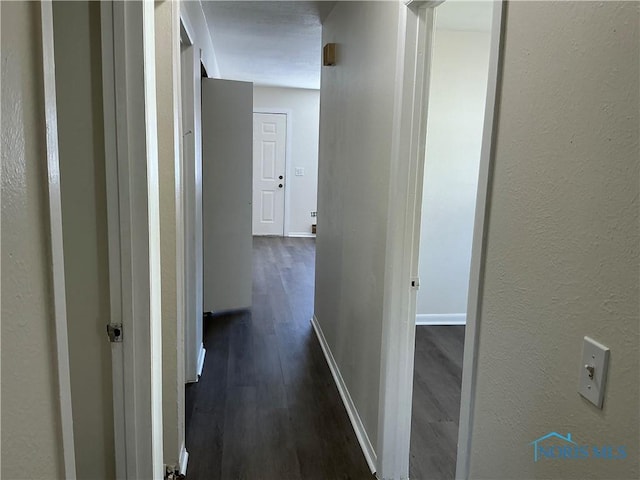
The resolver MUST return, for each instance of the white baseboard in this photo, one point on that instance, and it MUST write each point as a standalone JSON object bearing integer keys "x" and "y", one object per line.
{"x": 184, "y": 460}
{"x": 201, "y": 360}
{"x": 358, "y": 427}
{"x": 301, "y": 234}
{"x": 441, "y": 319}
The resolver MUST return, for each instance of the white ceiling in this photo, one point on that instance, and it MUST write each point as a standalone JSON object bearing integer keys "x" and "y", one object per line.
{"x": 268, "y": 43}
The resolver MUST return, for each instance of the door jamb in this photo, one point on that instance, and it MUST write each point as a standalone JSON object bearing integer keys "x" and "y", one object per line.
{"x": 128, "y": 48}
{"x": 288, "y": 113}
{"x": 403, "y": 234}
{"x": 194, "y": 347}
{"x": 398, "y": 321}
{"x": 479, "y": 245}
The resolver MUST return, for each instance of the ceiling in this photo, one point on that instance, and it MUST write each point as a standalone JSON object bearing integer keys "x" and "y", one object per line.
{"x": 268, "y": 43}
{"x": 278, "y": 43}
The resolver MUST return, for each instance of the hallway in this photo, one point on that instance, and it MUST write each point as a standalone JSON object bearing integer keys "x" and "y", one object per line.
{"x": 266, "y": 406}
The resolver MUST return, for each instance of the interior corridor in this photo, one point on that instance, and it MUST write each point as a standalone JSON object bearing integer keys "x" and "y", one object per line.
{"x": 266, "y": 406}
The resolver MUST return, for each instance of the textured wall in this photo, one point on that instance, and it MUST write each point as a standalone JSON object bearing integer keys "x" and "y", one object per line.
{"x": 84, "y": 221}
{"x": 563, "y": 239}
{"x": 356, "y": 114}
{"x": 31, "y": 436}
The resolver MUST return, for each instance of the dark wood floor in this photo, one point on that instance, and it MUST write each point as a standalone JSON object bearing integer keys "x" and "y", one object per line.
{"x": 266, "y": 406}
{"x": 436, "y": 401}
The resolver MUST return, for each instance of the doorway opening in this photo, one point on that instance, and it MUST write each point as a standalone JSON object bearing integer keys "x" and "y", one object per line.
{"x": 458, "y": 72}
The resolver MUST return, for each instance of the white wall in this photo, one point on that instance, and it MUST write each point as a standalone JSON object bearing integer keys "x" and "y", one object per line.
{"x": 356, "y": 114}
{"x": 563, "y": 241}
{"x": 31, "y": 431}
{"x": 84, "y": 221}
{"x": 457, "y": 95}
{"x": 304, "y": 108}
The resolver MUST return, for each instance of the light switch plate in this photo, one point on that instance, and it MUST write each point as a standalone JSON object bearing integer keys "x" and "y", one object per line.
{"x": 299, "y": 171}
{"x": 594, "y": 355}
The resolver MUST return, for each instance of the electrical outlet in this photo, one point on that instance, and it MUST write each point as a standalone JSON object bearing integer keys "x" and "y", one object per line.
{"x": 299, "y": 171}
{"x": 314, "y": 214}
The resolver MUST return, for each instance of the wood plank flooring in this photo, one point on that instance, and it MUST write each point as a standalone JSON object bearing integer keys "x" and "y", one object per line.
{"x": 437, "y": 379}
{"x": 266, "y": 406}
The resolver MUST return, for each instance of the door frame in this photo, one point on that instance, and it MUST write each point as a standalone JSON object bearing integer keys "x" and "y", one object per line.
{"x": 129, "y": 101}
{"x": 194, "y": 347}
{"x": 479, "y": 245}
{"x": 288, "y": 113}
{"x": 403, "y": 240}
{"x": 54, "y": 204}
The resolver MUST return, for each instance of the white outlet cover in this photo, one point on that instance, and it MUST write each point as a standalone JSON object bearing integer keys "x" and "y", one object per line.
{"x": 596, "y": 355}
{"x": 299, "y": 171}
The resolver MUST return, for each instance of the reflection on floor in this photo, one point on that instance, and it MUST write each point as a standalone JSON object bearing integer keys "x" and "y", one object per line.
{"x": 436, "y": 401}
{"x": 266, "y": 406}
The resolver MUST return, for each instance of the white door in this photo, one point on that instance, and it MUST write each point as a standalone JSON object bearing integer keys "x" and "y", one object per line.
{"x": 227, "y": 109}
{"x": 269, "y": 142}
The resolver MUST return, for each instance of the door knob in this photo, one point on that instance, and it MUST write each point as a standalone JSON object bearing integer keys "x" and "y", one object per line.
{"x": 280, "y": 186}
{"x": 280, "y": 177}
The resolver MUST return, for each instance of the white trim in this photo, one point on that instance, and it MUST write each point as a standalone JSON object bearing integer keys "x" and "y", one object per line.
{"x": 188, "y": 214}
{"x": 201, "y": 357}
{"x": 192, "y": 190}
{"x": 402, "y": 242}
{"x": 184, "y": 460}
{"x": 186, "y": 30}
{"x": 171, "y": 198}
{"x": 152, "y": 332}
{"x": 287, "y": 161}
{"x": 134, "y": 254}
{"x": 301, "y": 235}
{"x": 113, "y": 229}
{"x": 441, "y": 319}
{"x": 476, "y": 278}
{"x": 57, "y": 252}
{"x": 356, "y": 422}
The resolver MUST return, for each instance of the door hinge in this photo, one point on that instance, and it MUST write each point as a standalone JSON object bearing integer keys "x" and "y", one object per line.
{"x": 114, "y": 331}
{"x": 415, "y": 283}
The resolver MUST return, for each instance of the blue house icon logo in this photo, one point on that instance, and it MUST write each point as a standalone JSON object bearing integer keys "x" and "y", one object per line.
{"x": 537, "y": 448}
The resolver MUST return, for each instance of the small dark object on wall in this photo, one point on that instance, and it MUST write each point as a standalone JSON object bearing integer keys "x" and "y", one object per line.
{"x": 329, "y": 55}
{"x": 313, "y": 228}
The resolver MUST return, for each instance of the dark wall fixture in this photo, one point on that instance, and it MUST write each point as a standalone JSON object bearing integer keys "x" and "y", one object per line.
{"x": 329, "y": 55}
